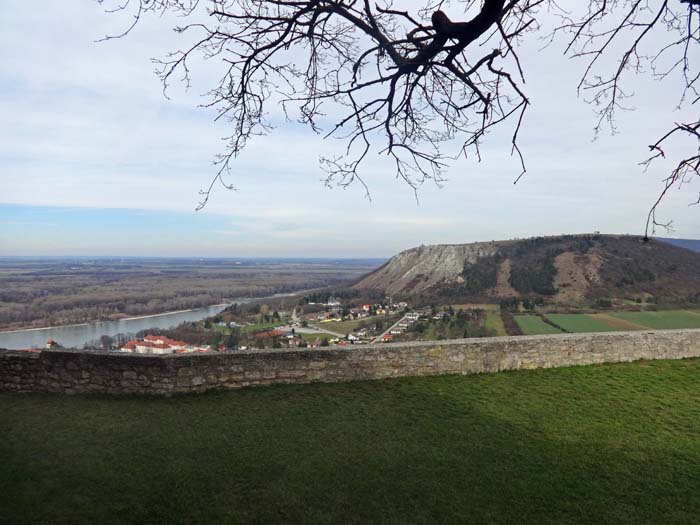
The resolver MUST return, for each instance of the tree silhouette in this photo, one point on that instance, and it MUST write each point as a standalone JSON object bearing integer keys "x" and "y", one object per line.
{"x": 417, "y": 85}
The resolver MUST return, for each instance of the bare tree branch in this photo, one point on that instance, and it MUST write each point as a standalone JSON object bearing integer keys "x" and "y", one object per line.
{"x": 419, "y": 87}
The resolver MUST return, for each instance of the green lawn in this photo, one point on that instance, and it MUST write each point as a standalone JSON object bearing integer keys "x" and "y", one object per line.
{"x": 533, "y": 325}
{"x": 666, "y": 319}
{"x": 582, "y": 323}
{"x": 612, "y": 443}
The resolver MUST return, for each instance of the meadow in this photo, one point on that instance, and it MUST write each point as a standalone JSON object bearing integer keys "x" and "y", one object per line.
{"x": 597, "y": 444}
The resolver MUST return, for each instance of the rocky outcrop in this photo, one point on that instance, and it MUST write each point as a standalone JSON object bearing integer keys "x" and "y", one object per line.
{"x": 565, "y": 269}
{"x": 418, "y": 269}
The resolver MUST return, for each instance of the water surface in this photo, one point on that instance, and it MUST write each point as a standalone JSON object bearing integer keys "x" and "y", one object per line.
{"x": 77, "y": 335}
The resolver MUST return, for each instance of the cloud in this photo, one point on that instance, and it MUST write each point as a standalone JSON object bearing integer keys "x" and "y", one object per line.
{"x": 86, "y": 127}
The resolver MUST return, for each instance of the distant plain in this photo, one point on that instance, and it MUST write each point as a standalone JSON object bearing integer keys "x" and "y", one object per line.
{"x": 37, "y": 292}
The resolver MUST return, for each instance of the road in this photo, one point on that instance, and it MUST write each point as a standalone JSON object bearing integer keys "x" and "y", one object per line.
{"x": 378, "y": 339}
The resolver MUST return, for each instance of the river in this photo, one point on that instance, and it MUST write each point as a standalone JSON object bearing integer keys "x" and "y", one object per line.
{"x": 75, "y": 336}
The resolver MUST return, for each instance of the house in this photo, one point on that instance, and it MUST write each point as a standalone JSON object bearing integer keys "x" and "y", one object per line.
{"x": 159, "y": 344}
{"x": 268, "y": 334}
{"x": 332, "y": 301}
{"x": 366, "y": 307}
{"x": 386, "y": 338}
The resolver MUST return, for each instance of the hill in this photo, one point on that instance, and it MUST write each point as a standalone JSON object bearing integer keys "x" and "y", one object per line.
{"x": 690, "y": 244}
{"x": 570, "y": 269}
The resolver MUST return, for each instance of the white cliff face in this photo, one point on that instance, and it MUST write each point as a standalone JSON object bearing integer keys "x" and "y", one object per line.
{"x": 420, "y": 268}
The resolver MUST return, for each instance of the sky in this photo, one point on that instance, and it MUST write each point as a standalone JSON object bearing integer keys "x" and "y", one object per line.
{"x": 94, "y": 160}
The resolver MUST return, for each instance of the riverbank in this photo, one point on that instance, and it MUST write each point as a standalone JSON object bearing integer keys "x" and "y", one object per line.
{"x": 134, "y": 318}
{"x": 239, "y": 300}
{"x": 76, "y": 336}
{"x": 14, "y": 331}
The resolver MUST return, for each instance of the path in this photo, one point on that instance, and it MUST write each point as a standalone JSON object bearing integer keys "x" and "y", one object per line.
{"x": 378, "y": 339}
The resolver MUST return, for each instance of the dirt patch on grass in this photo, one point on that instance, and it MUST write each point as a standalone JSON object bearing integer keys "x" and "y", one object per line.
{"x": 575, "y": 273}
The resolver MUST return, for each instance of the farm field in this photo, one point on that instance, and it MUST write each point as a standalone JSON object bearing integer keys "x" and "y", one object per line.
{"x": 533, "y": 325}
{"x": 595, "y": 444}
{"x": 580, "y": 323}
{"x": 667, "y": 319}
{"x": 494, "y": 322}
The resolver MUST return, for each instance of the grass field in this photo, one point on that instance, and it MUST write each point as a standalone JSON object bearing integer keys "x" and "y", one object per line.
{"x": 533, "y": 325}
{"x": 597, "y": 444}
{"x": 346, "y": 327}
{"x": 494, "y": 322}
{"x": 581, "y": 323}
{"x": 340, "y": 327}
{"x": 667, "y": 319}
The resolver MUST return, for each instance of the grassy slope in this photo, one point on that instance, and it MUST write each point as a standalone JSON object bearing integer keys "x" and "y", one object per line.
{"x": 614, "y": 443}
{"x": 533, "y": 325}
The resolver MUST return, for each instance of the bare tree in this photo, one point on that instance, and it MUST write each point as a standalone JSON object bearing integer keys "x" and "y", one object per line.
{"x": 416, "y": 85}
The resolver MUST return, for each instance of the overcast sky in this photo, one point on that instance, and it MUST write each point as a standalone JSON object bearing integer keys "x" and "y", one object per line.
{"x": 94, "y": 160}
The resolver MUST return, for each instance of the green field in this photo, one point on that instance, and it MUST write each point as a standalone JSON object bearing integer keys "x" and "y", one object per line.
{"x": 667, "y": 319}
{"x": 346, "y": 327}
{"x": 533, "y": 325}
{"x": 596, "y": 444}
{"x": 581, "y": 323}
{"x": 494, "y": 322}
{"x": 340, "y": 327}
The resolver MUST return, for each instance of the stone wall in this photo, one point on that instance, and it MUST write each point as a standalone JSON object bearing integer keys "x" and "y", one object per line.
{"x": 79, "y": 372}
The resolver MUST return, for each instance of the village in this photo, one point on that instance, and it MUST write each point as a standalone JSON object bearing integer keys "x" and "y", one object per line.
{"x": 316, "y": 321}
{"x": 329, "y": 322}
{"x": 312, "y": 324}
